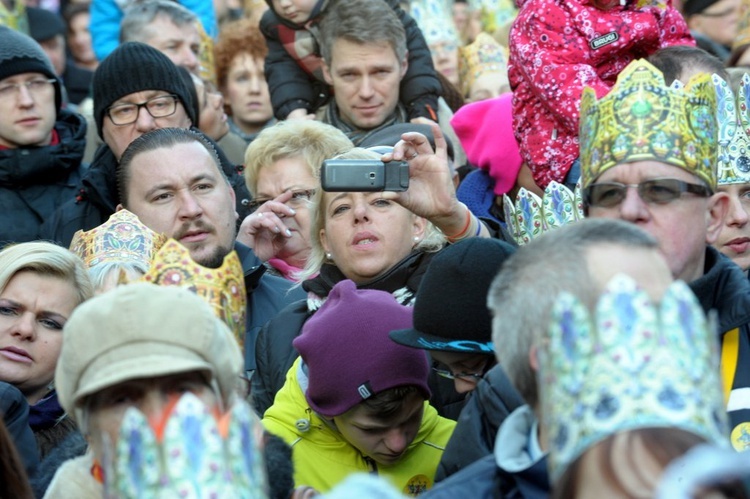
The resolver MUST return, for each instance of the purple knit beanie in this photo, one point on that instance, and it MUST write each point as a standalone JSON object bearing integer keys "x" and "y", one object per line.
{"x": 349, "y": 355}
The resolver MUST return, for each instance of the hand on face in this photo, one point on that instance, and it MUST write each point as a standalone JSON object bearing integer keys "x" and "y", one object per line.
{"x": 264, "y": 230}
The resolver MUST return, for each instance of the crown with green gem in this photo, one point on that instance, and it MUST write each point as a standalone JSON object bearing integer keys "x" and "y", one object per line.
{"x": 190, "y": 451}
{"x": 632, "y": 364}
{"x": 643, "y": 119}
{"x": 734, "y": 130}
{"x": 530, "y": 215}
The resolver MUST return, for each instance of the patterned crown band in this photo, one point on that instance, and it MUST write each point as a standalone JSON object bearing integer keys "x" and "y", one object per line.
{"x": 121, "y": 239}
{"x": 634, "y": 364}
{"x": 642, "y": 119}
{"x": 483, "y": 55}
{"x": 734, "y": 126}
{"x": 188, "y": 452}
{"x": 434, "y": 20}
{"x": 222, "y": 288}
{"x": 530, "y": 216}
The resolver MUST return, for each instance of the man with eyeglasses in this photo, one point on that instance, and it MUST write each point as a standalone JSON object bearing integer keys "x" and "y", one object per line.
{"x": 713, "y": 24}
{"x": 41, "y": 145}
{"x": 649, "y": 157}
{"x": 136, "y": 89}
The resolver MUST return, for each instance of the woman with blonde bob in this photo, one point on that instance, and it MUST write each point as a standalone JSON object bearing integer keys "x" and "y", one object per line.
{"x": 379, "y": 240}
{"x": 40, "y": 286}
{"x": 282, "y": 172}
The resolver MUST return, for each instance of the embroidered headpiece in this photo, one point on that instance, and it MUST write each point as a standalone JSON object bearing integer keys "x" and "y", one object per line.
{"x": 483, "y": 55}
{"x": 122, "y": 238}
{"x": 530, "y": 216}
{"x": 633, "y": 364}
{"x": 434, "y": 20}
{"x": 734, "y": 127}
{"x": 188, "y": 452}
{"x": 494, "y": 13}
{"x": 223, "y": 288}
{"x": 643, "y": 119}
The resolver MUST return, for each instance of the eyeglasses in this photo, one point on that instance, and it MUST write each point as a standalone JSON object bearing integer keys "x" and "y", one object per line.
{"x": 657, "y": 191}
{"x": 299, "y": 197}
{"x": 446, "y": 373}
{"x": 158, "y": 107}
{"x": 34, "y": 87}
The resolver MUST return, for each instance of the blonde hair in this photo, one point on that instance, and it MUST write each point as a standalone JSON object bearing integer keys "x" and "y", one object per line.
{"x": 45, "y": 259}
{"x": 433, "y": 239}
{"x": 310, "y": 140}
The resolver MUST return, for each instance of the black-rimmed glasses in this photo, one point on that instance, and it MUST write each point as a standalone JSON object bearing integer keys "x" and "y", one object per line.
{"x": 657, "y": 191}
{"x": 158, "y": 107}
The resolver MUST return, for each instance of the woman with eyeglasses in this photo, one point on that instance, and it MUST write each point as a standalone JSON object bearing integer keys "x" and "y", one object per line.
{"x": 282, "y": 173}
{"x": 379, "y": 240}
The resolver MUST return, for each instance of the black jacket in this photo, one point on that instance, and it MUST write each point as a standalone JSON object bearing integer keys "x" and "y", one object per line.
{"x": 15, "y": 412}
{"x": 35, "y": 181}
{"x": 274, "y": 353}
{"x": 474, "y": 437}
{"x": 291, "y": 87}
{"x": 97, "y": 197}
{"x": 726, "y": 289}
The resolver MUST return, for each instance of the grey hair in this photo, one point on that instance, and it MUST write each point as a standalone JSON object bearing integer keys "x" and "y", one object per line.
{"x": 522, "y": 295}
{"x": 102, "y": 273}
{"x": 136, "y": 23}
{"x": 433, "y": 240}
{"x": 362, "y": 22}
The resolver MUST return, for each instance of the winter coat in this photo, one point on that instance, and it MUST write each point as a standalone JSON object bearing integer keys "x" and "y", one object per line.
{"x": 322, "y": 458}
{"x": 96, "y": 197}
{"x": 35, "y": 181}
{"x": 74, "y": 479}
{"x": 559, "y": 47}
{"x": 509, "y": 473}
{"x": 485, "y": 410}
{"x": 15, "y": 413}
{"x": 724, "y": 287}
{"x": 294, "y": 65}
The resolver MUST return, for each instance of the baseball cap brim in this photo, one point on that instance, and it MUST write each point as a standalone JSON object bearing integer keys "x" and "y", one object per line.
{"x": 424, "y": 341}
{"x": 135, "y": 361}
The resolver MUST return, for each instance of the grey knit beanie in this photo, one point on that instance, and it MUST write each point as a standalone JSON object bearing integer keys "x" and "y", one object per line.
{"x": 19, "y": 53}
{"x": 137, "y": 67}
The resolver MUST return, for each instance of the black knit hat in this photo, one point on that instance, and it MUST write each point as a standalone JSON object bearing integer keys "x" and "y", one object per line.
{"x": 450, "y": 310}
{"x": 137, "y": 67}
{"x": 21, "y": 54}
{"x": 692, "y": 7}
{"x": 44, "y": 24}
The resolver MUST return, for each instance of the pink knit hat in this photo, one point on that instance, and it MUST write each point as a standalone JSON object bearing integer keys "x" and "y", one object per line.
{"x": 485, "y": 130}
{"x": 349, "y": 355}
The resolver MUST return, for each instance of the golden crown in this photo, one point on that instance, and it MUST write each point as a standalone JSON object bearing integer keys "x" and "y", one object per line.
{"x": 223, "y": 288}
{"x": 531, "y": 216}
{"x": 484, "y": 54}
{"x": 122, "y": 238}
{"x": 643, "y": 119}
{"x": 734, "y": 128}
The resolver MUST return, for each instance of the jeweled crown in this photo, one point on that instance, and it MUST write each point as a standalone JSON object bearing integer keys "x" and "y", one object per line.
{"x": 733, "y": 117}
{"x": 484, "y": 54}
{"x": 643, "y": 119}
{"x": 434, "y": 20}
{"x": 122, "y": 238}
{"x": 188, "y": 452}
{"x": 531, "y": 216}
{"x": 223, "y": 288}
{"x": 634, "y": 364}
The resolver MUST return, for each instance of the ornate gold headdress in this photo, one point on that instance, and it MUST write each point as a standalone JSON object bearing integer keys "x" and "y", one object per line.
{"x": 484, "y": 54}
{"x": 223, "y": 288}
{"x": 643, "y": 119}
{"x": 631, "y": 364}
{"x": 121, "y": 239}
{"x": 734, "y": 126}
{"x": 530, "y": 216}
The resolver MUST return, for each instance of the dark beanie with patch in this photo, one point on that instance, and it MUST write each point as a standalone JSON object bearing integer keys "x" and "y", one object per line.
{"x": 19, "y": 53}
{"x": 136, "y": 67}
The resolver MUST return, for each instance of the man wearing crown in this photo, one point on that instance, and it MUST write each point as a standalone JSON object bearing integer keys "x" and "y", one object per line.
{"x": 649, "y": 156}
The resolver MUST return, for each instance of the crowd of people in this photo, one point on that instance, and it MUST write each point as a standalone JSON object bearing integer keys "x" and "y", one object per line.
{"x": 374, "y": 248}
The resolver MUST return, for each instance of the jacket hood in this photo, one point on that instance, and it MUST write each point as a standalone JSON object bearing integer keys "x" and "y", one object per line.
{"x": 46, "y": 164}
{"x": 724, "y": 287}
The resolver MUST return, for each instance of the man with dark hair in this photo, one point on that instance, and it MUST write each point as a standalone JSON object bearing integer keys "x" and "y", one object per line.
{"x": 153, "y": 95}
{"x": 171, "y": 178}
{"x": 41, "y": 145}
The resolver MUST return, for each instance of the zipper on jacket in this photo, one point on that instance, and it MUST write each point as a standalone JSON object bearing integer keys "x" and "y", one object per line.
{"x": 373, "y": 465}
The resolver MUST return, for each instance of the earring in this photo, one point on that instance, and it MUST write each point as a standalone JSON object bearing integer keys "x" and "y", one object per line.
{"x": 416, "y": 239}
{"x": 329, "y": 256}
